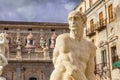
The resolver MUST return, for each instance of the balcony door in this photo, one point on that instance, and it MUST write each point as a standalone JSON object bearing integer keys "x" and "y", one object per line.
{"x": 91, "y": 25}
{"x": 114, "y": 54}
{"x": 110, "y": 12}
{"x": 101, "y": 18}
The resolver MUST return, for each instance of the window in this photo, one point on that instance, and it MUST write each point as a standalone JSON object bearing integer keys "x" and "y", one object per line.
{"x": 29, "y": 29}
{"x": 5, "y": 28}
{"x": 93, "y": 41}
{"x": 110, "y": 12}
{"x": 31, "y": 42}
{"x": 90, "y": 3}
{"x": 104, "y": 57}
{"x": 81, "y": 9}
{"x": 114, "y": 54}
{"x": 91, "y": 25}
{"x": 101, "y": 18}
{"x": 52, "y": 30}
{"x": 25, "y": 40}
{"x": 32, "y": 78}
{"x": 95, "y": 65}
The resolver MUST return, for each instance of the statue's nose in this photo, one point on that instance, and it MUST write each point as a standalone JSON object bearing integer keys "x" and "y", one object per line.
{"x": 73, "y": 21}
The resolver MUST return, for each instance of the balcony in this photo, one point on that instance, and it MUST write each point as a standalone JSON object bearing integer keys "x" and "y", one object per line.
{"x": 90, "y": 32}
{"x": 102, "y": 69}
{"x": 101, "y": 25}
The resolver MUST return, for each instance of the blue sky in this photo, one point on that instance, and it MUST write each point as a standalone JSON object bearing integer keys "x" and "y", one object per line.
{"x": 36, "y": 10}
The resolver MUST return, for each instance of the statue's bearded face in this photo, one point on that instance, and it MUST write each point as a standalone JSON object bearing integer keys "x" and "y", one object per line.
{"x": 75, "y": 24}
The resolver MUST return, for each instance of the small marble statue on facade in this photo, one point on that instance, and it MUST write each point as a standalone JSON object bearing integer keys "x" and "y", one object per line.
{"x": 53, "y": 38}
{"x": 42, "y": 42}
{"x": 4, "y": 44}
{"x": 73, "y": 56}
{"x": 46, "y": 52}
{"x": 3, "y": 62}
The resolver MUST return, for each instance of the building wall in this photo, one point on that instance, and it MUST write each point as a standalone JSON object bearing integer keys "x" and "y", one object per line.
{"x": 87, "y": 3}
{"x": 104, "y": 37}
{"x": 82, "y": 5}
{"x": 24, "y": 70}
{"x": 30, "y": 64}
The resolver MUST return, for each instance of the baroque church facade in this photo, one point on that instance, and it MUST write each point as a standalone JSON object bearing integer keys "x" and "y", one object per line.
{"x": 29, "y": 49}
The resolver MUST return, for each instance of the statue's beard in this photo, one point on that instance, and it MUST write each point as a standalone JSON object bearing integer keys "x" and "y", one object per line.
{"x": 75, "y": 34}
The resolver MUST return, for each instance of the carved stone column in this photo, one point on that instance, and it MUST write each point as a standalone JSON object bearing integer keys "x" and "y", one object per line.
{"x": 18, "y": 72}
{"x": 47, "y": 71}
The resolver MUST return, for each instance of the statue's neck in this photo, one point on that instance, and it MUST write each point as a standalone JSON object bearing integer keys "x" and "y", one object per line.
{"x": 77, "y": 37}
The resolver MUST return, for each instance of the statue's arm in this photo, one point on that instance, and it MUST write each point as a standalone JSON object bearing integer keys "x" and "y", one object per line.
{"x": 56, "y": 50}
{"x": 55, "y": 55}
{"x": 91, "y": 64}
{"x": 62, "y": 48}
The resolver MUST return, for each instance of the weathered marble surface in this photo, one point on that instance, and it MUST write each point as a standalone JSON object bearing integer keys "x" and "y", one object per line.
{"x": 73, "y": 56}
{"x": 3, "y": 62}
{"x": 3, "y": 43}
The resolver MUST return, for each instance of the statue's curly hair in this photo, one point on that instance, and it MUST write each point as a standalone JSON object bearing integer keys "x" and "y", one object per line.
{"x": 82, "y": 16}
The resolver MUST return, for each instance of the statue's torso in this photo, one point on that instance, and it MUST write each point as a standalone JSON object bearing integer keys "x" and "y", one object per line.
{"x": 76, "y": 52}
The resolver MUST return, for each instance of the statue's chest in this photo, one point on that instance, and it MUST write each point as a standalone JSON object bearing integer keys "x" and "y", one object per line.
{"x": 80, "y": 52}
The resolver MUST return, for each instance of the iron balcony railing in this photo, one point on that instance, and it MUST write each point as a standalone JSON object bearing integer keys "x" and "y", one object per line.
{"x": 90, "y": 31}
{"x": 101, "y": 24}
{"x": 102, "y": 69}
{"x": 98, "y": 26}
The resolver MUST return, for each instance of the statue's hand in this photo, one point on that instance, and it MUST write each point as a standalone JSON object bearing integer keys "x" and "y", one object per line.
{"x": 71, "y": 70}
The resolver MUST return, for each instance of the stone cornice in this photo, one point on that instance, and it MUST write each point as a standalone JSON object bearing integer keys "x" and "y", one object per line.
{"x": 93, "y": 6}
{"x": 32, "y": 24}
{"x": 33, "y": 61}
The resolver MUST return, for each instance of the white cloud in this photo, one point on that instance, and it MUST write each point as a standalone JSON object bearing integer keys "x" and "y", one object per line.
{"x": 10, "y": 14}
{"x": 26, "y": 12}
{"x": 36, "y": 10}
{"x": 69, "y": 6}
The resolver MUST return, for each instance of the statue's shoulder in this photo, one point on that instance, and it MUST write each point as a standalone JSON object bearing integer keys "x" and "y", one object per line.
{"x": 89, "y": 43}
{"x": 62, "y": 43}
{"x": 90, "y": 46}
{"x": 63, "y": 37}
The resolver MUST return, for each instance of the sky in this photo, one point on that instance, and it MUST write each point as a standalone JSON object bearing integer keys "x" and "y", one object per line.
{"x": 36, "y": 10}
